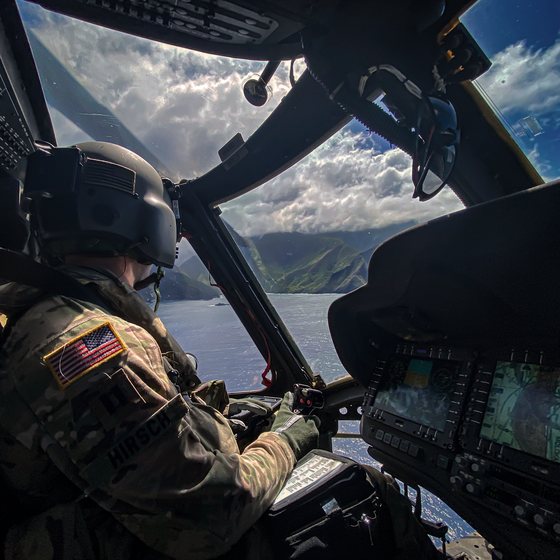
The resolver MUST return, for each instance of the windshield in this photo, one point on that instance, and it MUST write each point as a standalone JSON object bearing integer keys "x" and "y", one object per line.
{"x": 523, "y": 85}
{"x": 309, "y": 233}
{"x": 175, "y": 107}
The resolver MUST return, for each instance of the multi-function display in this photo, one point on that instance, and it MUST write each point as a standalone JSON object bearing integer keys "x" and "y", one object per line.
{"x": 419, "y": 390}
{"x": 523, "y": 410}
{"x": 480, "y": 429}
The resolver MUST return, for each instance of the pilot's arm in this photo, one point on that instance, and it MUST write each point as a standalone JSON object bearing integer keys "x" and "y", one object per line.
{"x": 168, "y": 469}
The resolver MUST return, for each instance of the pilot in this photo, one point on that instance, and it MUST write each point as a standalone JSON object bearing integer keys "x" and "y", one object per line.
{"x": 108, "y": 448}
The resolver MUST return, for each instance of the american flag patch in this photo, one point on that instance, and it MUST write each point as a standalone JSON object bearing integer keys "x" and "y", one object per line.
{"x": 83, "y": 353}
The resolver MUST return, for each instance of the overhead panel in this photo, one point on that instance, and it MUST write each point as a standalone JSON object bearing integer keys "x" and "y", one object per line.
{"x": 258, "y": 30}
{"x": 16, "y": 140}
{"x": 217, "y": 21}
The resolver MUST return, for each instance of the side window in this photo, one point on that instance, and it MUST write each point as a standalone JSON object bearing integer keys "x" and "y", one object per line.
{"x": 523, "y": 84}
{"x": 204, "y": 324}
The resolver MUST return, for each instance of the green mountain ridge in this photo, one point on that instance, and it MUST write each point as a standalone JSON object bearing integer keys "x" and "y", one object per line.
{"x": 194, "y": 268}
{"x": 366, "y": 241}
{"x": 178, "y": 285}
{"x": 302, "y": 263}
{"x": 290, "y": 263}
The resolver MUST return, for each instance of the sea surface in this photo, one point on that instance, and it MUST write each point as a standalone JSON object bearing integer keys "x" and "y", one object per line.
{"x": 212, "y": 332}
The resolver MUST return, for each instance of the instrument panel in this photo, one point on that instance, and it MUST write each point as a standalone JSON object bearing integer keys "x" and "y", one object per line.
{"x": 24, "y": 117}
{"x": 16, "y": 139}
{"x": 481, "y": 429}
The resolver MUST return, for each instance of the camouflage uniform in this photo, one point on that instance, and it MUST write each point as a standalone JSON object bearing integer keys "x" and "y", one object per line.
{"x": 89, "y": 440}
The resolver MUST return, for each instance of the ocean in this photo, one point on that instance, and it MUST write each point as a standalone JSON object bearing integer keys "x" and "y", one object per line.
{"x": 212, "y": 332}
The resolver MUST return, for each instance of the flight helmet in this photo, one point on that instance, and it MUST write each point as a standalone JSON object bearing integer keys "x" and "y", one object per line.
{"x": 97, "y": 198}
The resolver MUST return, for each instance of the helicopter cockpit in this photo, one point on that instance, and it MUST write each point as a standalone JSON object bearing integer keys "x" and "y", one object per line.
{"x": 452, "y": 343}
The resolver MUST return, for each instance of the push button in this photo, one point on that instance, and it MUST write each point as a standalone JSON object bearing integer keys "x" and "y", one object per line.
{"x": 379, "y": 435}
{"x": 404, "y": 446}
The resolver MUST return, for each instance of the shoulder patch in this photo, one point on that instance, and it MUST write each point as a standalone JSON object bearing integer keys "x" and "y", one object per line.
{"x": 84, "y": 353}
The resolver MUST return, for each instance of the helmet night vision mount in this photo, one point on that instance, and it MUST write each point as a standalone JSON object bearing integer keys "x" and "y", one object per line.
{"x": 101, "y": 199}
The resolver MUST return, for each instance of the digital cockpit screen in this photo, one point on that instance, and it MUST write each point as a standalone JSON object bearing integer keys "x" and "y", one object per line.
{"x": 523, "y": 410}
{"x": 419, "y": 390}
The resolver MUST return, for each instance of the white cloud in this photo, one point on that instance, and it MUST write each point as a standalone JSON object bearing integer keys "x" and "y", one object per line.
{"x": 183, "y": 105}
{"x": 542, "y": 165}
{"x": 340, "y": 186}
{"x": 525, "y": 81}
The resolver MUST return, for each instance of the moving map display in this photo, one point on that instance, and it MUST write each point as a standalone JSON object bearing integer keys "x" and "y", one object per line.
{"x": 523, "y": 410}
{"x": 418, "y": 390}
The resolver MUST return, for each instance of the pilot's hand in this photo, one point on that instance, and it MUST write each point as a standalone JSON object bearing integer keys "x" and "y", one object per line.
{"x": 300, "y": 430}
{"x": 248, "y": 417}
{"x": 247, "y": 405}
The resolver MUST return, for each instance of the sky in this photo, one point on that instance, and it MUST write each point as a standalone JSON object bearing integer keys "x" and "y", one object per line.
{"x": 184, "y": 106}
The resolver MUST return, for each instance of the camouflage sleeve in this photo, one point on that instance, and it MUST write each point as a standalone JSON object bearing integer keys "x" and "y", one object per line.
{"x": 169, "y": 469}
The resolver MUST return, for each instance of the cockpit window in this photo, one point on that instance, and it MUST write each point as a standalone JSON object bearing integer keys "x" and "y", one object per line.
{"x": 309, "y": 233}
{"x": 312, "y": 229}
{"x": 175, "y": 107}
{"x": 523, "y": 85}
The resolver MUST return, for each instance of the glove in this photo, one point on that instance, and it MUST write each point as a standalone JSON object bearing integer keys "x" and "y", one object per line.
{"x": 251, "y": 406}
{"x": 247, "y": 418}
{"x": 301, "y": 431}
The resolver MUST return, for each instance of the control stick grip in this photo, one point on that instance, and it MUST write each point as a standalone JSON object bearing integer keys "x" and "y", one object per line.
{"x": 307, "y": 399}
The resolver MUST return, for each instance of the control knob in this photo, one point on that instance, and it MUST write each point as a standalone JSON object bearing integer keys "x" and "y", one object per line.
{"x": 474, "y": 488}
{"x": 479, "y": 468}
{"x": 543, "y": 519}
{"x": 462, "y": 461}
{"x": 457, "y": 481}
{"x": 556, "y": 528}
{"x": 524, "y": 509}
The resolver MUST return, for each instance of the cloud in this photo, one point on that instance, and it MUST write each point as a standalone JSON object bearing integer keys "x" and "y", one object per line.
{"x": 544, "y": 167}
{"x": 523, "y": 81}
{"x": 182, "y": 104}
{"x": 340, "y": 186}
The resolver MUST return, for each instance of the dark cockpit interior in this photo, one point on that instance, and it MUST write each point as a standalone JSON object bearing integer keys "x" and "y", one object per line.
{"x": 453, "y": 344}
